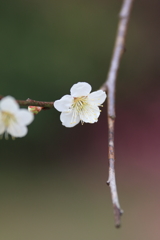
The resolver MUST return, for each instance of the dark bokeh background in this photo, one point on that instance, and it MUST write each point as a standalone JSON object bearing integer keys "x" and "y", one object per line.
{"x": 52, "y": 182}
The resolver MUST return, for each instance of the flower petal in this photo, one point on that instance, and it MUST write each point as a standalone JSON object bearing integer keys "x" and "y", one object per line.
{"x": 16, "y": 130}
{"x": 66, "y": 119}
{"x": 80, "y": 89}
{"x": 2, "y": 126}
{"x": 24, "y": 117}
{"x": 90, "y": 114}
{"x": 97, "y": 97}
{"x": 9, "y": 104}
{"x": 64, "y": 104}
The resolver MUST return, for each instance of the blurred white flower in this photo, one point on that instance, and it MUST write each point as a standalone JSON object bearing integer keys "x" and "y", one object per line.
{"x": 81, "y": 105}
{"x": 13, "y": 120}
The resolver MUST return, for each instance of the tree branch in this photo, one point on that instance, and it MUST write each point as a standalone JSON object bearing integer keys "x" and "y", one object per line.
{"x": 110, "y": 86}
{"x": 30, "y": 102}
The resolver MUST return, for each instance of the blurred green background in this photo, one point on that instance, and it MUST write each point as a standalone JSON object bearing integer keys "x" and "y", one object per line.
{"x": 53, "y": 181}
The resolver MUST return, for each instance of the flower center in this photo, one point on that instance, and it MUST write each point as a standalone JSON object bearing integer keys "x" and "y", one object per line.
{"x": 79, "y": 103}
{"x": 7, "y": 118}
{"x": 84, "y": 109}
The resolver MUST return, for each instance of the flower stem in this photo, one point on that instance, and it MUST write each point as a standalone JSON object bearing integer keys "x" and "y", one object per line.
{"x": 30, "y": 102}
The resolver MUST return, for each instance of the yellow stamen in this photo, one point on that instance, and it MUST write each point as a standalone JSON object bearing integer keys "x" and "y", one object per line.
{"x": 83, "y": 109}
{"x": 7, "y": 118}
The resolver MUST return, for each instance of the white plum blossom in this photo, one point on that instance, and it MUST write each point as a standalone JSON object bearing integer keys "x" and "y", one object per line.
{"x": 81, "y": 105}
{"x": 13, "y": 120}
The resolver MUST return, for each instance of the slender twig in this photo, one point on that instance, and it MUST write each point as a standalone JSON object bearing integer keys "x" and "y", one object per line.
{"x": 109, "y": 86}
{"x": 30, "y": 102}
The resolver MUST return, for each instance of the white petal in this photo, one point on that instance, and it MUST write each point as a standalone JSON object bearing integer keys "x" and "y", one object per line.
{"x": 24, "y": 117}
{"x": 64, "y": 104}
{"x": 67, "y": 119}
{"x": 2, "y": 125}
{"x": 16, "y": 130}
{"x": 90, "y": 114}
{"x": 9, "y": 104}
{"x": 80, "y": 89}
{"x": 97, "y": 97}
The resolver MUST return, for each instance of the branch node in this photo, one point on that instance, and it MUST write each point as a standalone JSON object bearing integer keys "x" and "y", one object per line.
{"x": 121, "y": 212}
{"x": 108, "y": 182}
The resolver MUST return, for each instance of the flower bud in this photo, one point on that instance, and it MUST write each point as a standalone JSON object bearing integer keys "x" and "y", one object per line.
{"x": 35, "y": 110}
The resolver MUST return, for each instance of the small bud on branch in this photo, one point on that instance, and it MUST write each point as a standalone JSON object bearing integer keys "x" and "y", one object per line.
{"x": 35, "y": 110}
